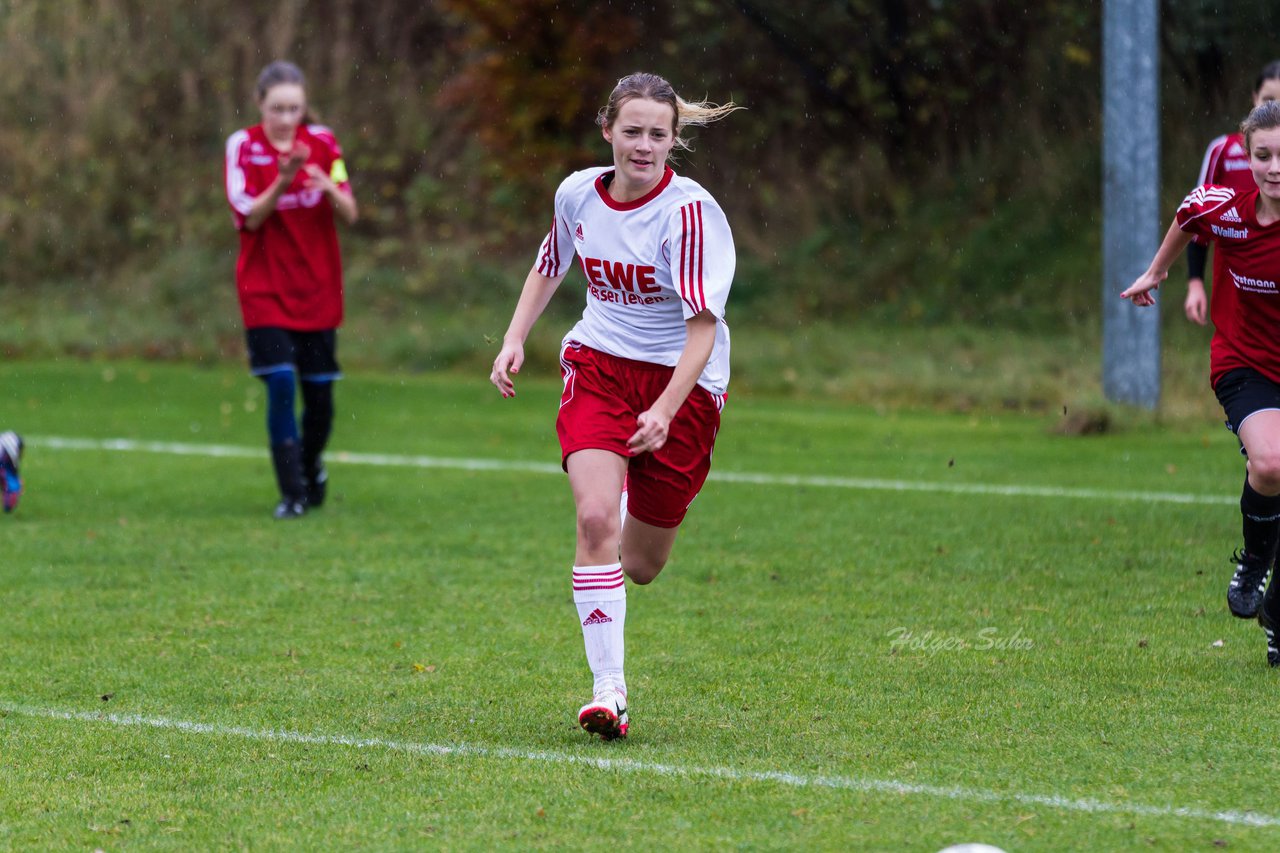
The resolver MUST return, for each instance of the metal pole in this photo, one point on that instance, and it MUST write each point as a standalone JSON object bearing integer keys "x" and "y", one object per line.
{"x": 1130, "y": 198}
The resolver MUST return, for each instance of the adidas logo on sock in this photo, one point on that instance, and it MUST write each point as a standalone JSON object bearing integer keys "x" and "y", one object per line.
{"x": 597, "y": 617}
{"x": 1231, "y": 216}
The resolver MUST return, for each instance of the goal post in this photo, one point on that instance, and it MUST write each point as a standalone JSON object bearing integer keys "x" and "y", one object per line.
{"x": 1130, "y": 198}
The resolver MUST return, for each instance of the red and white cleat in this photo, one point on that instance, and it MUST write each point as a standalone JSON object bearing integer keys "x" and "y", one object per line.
{"x": 606, "y": 715}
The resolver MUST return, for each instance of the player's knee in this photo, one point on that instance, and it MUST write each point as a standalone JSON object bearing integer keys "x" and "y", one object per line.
{"x": 642, "y": 571}
{"x": 317, "y": 403}
{"x": 598, "y": 526}
{"x": 1264, "y": 472}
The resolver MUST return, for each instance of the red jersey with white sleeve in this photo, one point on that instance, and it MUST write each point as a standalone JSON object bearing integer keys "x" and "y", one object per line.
{"x": 1226, "y": 164}
{"x": 1245, "y": 335}
{"x": 650, "y": 264}
{"x": 289, "y": 273}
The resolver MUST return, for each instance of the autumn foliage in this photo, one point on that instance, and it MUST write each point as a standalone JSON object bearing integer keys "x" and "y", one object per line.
{"x": 460, "y": 116}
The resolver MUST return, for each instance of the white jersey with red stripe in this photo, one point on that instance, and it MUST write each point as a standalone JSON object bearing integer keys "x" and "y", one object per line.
{"x": 650, "y": 264}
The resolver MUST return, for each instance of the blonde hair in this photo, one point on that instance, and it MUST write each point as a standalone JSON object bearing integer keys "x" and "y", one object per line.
{"x": 655, "y": 88}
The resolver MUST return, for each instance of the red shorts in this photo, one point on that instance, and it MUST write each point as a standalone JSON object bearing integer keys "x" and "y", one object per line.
{"x": 603, "y": 396}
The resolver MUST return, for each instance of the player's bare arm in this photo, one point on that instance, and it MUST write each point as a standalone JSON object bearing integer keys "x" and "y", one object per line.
{"x": 654, "y": 423}
{"x": 537, "y": 292}
{"x": 1175, "y": 243}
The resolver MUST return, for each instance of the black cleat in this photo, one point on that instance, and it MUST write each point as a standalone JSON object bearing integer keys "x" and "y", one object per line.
{"x": 1269, "y": 628}
{"x": 288, "y": 509}
{"x": 317, "y": 486}
{"x": 1244, "y": 594}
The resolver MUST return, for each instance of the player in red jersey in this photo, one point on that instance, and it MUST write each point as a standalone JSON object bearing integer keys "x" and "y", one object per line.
{"x": 646, "y": 368}
{"x": 286, "y": 181}
{"x": 1225, "y": 164}
{"x": 1245, "y": 353}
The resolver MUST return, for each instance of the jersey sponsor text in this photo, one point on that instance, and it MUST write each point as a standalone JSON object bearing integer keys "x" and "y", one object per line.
{"x": 621, "y": 276}
{"x": 1253, "y": 285}
{"x": 621, "y": 297}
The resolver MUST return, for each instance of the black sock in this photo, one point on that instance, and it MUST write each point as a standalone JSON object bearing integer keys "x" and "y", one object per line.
{"x": 1271, "y": 601}
{"x": 1261, "y": 515}
{"x": 317, "y": 423}
{"x": 287, "y": 461}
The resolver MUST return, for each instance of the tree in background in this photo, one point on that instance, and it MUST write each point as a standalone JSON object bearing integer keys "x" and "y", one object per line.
{"x": 460, "y": 116}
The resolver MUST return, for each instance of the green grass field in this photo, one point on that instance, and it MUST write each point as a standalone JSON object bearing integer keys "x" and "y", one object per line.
{"x": 879, "y": 631}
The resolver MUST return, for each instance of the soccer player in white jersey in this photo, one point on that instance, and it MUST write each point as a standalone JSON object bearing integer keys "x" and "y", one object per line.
{"x": 645, "y": 370}
{"x": 1244, "y": 356}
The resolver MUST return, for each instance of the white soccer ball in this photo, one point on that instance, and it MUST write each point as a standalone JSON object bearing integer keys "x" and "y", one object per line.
{"x": 971, "y": 848}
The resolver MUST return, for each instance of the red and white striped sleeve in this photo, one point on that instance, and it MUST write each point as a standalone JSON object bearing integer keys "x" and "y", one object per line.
{"x": 240, "y": 194}
{"x": 1209, "y": 168}
{"x": 556, "y": 251}
{"x": 1199, "y": 204}
{"x": 1212, "y": 161}
{"x": 702, "y": 256}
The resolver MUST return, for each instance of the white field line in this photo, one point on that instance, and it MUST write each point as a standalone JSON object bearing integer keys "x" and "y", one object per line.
{"x": 856, "y": 483}
{"x": 627, "y": 765}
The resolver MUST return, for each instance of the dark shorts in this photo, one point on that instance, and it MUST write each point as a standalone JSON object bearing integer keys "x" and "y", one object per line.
{"x": 313, "y": 356}
{"x": 602, "y": 397}
{"x": 1244, "y": 392}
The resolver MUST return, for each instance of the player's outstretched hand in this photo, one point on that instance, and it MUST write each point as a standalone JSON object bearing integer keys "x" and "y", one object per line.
{"x": 651, "y": 432}
{"x": 508, "y": 361}
{"x": 1140, "y": 291}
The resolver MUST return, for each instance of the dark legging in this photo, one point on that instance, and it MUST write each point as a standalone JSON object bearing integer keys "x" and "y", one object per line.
{"x": 317, "y": 421}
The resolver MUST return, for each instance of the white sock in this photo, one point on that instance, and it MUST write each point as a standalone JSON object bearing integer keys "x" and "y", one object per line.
{"x": 601, "y": 598}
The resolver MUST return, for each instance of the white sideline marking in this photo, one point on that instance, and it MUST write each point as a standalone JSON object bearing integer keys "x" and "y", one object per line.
{"x": 858, "y": 483}
{"x": 729, "y": 774}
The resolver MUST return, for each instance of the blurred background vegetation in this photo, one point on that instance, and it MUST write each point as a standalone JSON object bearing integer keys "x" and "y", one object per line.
{"x": 915, "y": 186}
